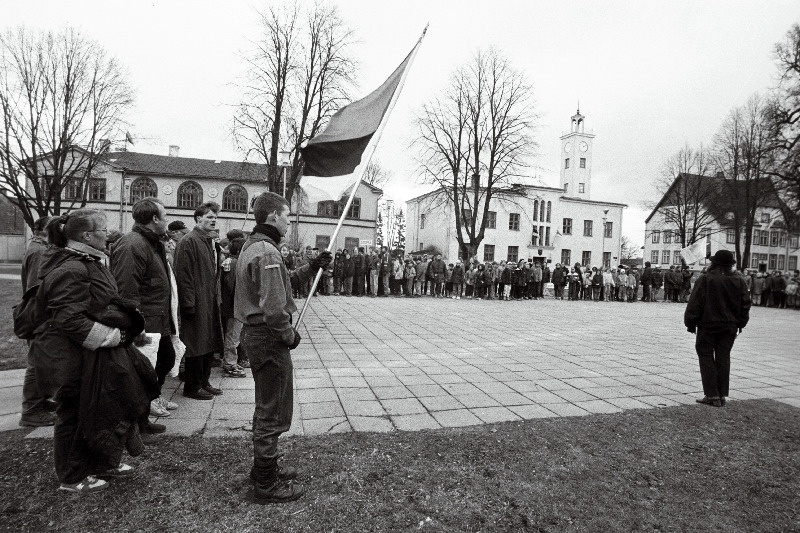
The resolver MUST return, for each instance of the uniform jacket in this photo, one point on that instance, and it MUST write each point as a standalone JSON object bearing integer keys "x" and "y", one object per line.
{"x": 197, "y": 276}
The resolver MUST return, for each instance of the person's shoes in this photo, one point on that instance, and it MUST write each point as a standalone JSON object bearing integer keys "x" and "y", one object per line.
{"x": 148, "y": 439}
{"x": 199, "y": 394}
{"x": 233, "y": 371}
{"x": 123, "y": 470}
{"x": 212, "y": 390}
{"x": 285, "y": 473}
{"x": 216, "y": 363}
{"x": 157, "y": 410}
{"x": 722, "y": 401}
{"x": 244, "y": 363}
{"x": 152, "y": 427}
{"x": 86, "y": 485}
{"x": 181, "y": 377}
{"x": 269, "y": 488}
{"x": 38, "y": 420}
{"x": 710, "y": 400}
{"x": 134, "y": 443}
{"x": 166, "y": 404}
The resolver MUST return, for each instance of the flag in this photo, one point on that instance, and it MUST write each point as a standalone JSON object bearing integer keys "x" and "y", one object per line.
{"x": 694, "y": 252}
{"x": 337, "y": 150}
{"x": 128, "y": 138}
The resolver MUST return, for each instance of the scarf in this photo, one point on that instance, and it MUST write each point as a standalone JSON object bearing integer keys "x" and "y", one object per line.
{"x": 269, "y": 230}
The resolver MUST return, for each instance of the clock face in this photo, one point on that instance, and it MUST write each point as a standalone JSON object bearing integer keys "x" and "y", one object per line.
{"x": 583, "y": 146}
{"x": 568, "y": 147}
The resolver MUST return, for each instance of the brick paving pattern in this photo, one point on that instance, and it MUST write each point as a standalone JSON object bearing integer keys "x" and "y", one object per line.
{"x": 386, "y": 364}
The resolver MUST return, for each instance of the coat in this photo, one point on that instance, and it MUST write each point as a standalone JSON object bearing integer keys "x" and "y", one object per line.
{"x": 438, "y": 269}
{"x": 197, "y": 275}
{"x": 719, "y": 300}
{"x": 348, "y": 267}
{"x": 458, "y": 275}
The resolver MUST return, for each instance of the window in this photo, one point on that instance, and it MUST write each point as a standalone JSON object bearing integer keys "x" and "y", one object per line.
{"x": 655, "y": 237}
{"x": 665, "y": 257}
{"x": 609, "y": 230}
{"x": 773, "y": 238}
{"x": 234, "y": 198}
{"x": 781, "y": 261}
{"x": 586, "y": 258}
{"x": 676, "y": 258}
{"x": 422, "y": 221}
{"x": 764, "y": 238}
{"x": 355, "y": 208}
{"x": 535, "y": 210}
{"x": 488, "y": 252}
{"x": 566, "y": 163}
{"x": 72, "y": 189}
{"x": 782, "y": 241}
{"x": 549, "y": 210}
{"x": 190, "y": 194}
{"x": 793, "y": 242}
{"x": 587, "y": 228}
{"x": 322, "y": 242}
{"x": 535, "y": 237}
{"x": 566, "y": 188}
{"x": 581, "y": 187}
{"x": 566, "y": 257}
{"x": 765, "y": 218}
{"x": 756, "y": 236}
{"x": 654, "y": 257}
{"x": 513, "y": 221}
{"x": 606, "y": 259}
{"x": 352, "y": 242}
{"x": 513, "y": 254}
{"x": 566, "y": 228}
{"x": 754, "y": 261}
{"x": 773, "y": 261}
{"x": 547, "y": 236}
{"x": 97, "y": 190}
{"x": 667, "y": 237}
{"x": 333, "y": 209}
{"x": 792, "y": 262}
{"x": 730, "y": 236}
{"x": 492, "y": 222}
{"x": 143, "y": 188}
{"x": 583, "y": 162}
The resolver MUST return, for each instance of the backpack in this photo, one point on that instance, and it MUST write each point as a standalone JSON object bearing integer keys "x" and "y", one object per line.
{"x": 28, "y": 313}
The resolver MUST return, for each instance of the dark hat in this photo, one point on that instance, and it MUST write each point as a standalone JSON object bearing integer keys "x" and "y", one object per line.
{"x": 233, "y": 234}
{"x": 723, "y": 258}
{"x": 176, "y": 225}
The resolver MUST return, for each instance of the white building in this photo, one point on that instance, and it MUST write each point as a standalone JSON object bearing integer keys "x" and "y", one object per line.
{"x": 557, "y": 225}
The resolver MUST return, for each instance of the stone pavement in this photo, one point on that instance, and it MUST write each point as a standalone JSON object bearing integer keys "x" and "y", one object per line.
{"x": 384, "y": 364}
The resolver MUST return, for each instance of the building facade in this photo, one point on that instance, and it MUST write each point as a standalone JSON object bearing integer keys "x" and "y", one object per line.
{"x": 557, "y": 225}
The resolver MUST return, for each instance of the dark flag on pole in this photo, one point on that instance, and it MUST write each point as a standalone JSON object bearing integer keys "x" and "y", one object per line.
{"x": 337, "y": 150}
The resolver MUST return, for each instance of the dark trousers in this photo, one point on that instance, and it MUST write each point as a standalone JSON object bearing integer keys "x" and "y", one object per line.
{"x": 714, "y": 350}
{"x": 360, "y": 284}
{"x": 165, "y": 358}
{"x": 198, "y": 372}
{"x": 645, "y": 292}
{"x": 32, "y": 399}
{"x": 271, "y": 365}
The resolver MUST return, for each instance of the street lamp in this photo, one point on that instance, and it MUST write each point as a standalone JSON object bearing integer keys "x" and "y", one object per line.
{"x": 603, "y": 257}
{"x": 284, "y": 160}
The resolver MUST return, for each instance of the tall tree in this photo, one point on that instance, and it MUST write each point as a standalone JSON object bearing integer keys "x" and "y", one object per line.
{"x": 744, "y": 150}
{"x": 375, "y": 174}
{"x": 398, "y": 247}
{"x": 686, "y": 190}
{"x": 474, "y": 139}
{"x": 61, "y": 96}
{"x": 299, "y": 74}
{"x": 628, "y": 250}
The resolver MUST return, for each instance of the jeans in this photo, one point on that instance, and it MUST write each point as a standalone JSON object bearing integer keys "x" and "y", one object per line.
{"x": 713, "y": 346}
{"x": 373, "y": 282}
{"x": 347, "y": 286}
{"x": 271, "y": 365}
{"x": 233, "y": 330}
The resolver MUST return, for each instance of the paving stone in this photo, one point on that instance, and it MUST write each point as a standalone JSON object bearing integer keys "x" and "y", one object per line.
{"x": 321, "y": 410}
{"x": 426, "y": 390}
{"x": 370, "y": 423}
{"x": 456, "y": 418}
{"x": 415, "y": 422}
{"x": 566, "y": 409}
{"x": 794, "y": 402}
{"x": 191, "y": 409}
{"x": 387, "y": 393}
{"x": 441, "y": 403}
{"x": 185, "y": 427}
{"x": 628, "y": 403}
{"x": 598, "y": 406}
{"x": 407, "y": 406}
{"x": 528, "y": 412}
{"x": 346, "y": 381}
{"x": 326, "y": 394}
{"x": 476, "y": 400}
{"x": 362, "y": 408}
{"x": 231, "y": 411}
{"x": 320, "y": 426}
{"x": 40, "y": 433}
{"x": 494, "y": 414}
{"x": 574, "y": 395}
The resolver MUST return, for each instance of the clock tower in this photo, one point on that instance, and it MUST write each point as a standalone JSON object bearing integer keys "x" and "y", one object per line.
{"x": 576, "y": 159}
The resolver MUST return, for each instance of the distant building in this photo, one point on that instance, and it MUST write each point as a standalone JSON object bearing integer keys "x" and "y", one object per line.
{"x": 556, "y": 225}
{"x": 771, "y": 245}
{"x": 183, "y": 183}
{"x": 12, "y": 231}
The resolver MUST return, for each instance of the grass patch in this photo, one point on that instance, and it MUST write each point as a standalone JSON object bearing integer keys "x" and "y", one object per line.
{"x": 688, "y": 468}
{"x": 13, "y": 351}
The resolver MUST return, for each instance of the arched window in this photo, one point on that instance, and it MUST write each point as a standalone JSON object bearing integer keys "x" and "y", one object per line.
{"x": 535, "y": 210}
{"x": 143, "y": 188}
{"x": 190, "y": 194}
{"x": 234, "y": 198}
{"x": 549, "y": 210}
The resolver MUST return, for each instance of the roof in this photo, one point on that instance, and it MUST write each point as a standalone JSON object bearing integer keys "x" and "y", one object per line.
{"x": 162, "y": 165}
{"x": 518, "y": 188}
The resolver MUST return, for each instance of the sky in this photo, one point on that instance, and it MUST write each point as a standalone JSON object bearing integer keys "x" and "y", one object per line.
{"x": 650, "y": 76}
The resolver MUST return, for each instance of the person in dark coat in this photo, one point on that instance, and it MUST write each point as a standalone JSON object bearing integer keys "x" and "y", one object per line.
{"x": 197, "y": 264}
{"x": 655, "y": 282}
{"x": 558, "y": 282}
{"x": 438, "y": 271}
{"x": 360, "y": 272}
{"x": 348, "y": 271}
{"x": 646, "y": 280}
{"x": 718, "y": 310}
{"x": 34, "y": 413}
{"x": 75, "y": 286}
{"x": 140, "y": 267}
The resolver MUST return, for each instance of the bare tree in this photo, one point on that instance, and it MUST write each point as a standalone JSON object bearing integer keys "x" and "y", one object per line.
{"x": 474, "y": 140}
{"x": 298, "y": 76}
{"x": 744, "y": 153}
{"x": 686, "y": 190}
{"x": 628, "y": 250}
{"x": 61, "y": 96}
{"x": 375, "y": 174}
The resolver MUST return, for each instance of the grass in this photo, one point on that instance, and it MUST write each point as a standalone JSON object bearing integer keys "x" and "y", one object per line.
{"x": 13, "y": 351}
{"x": 687, "y": 468}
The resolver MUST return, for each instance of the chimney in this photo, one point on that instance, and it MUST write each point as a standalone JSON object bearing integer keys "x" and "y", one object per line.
{"x": 174, "y": 150}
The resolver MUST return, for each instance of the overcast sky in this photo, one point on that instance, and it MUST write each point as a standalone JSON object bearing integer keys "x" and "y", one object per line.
{"x": 650, "y": 76}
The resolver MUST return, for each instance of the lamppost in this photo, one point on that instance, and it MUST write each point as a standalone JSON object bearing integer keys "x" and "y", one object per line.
{"x": 283, "y": 161}
{"x": 603, "y": 257}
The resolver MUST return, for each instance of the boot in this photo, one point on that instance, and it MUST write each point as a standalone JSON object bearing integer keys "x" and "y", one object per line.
{"x": 268, "y": 488}
{"x": 285, "y": 473}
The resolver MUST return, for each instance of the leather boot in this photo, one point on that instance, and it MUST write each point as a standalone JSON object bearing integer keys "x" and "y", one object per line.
{"x": 285, "y": 473}
{"x": 268, "y": 488}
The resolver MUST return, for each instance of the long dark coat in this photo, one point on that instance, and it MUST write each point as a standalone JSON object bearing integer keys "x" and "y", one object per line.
{"x": 197, "y": 275}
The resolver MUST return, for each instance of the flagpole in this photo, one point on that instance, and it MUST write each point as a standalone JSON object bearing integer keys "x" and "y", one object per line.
{"x": 373, "y": 143}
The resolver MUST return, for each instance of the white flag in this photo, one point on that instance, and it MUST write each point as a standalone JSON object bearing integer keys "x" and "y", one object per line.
{"x": 694, "y": 252}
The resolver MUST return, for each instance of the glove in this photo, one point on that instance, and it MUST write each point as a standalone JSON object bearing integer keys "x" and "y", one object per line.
{"x": 295, "y": 342}
{"x": 692, "y": 329}
{"x": 321, "y": 261}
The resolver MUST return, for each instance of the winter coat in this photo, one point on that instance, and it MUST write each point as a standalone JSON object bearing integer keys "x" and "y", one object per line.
{"x": 337, "y": 266}
{"x": 397, "y": 269}
{"x": 537, "y": 274}
{"x": 361, "y": 264}
{"x": 228, "y": 289}
{"x": 30, "y": 262}
{"x": 422, "y": 269}
{"x": 438, "y": 269}
{"x": 647, "y": 276}
{"x": 197, "y": 275}
{"x": 658, "y": 279}
{"x": 546, "y": 274}
{"x": 469, "y": 277}
{"x": 508, "y": 275}
{"x": 519, "y": 277}
{"x": 778, "y": 284}
{"x": 558, "y": 277}
{"x": 686, "y": 279}
{"x": 719, "y": 300}
{"x": 597, "y": 279}
{"x": 458, "y": 275}
{"x": 348, "y": 267}
{"x": 139, "y": 264}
